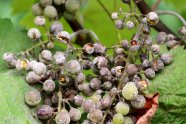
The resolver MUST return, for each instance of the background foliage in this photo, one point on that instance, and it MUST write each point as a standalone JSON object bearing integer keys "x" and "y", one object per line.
{"x": 171, "y": 83}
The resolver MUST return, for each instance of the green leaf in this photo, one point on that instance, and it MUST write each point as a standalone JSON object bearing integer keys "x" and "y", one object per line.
{"x": 171, "y": 84}
{"x": 12, "y": 84}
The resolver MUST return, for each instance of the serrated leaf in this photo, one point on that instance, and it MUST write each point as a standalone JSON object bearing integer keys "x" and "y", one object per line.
{"x": 13, "y": 109}
{"x": 171, "y": 84}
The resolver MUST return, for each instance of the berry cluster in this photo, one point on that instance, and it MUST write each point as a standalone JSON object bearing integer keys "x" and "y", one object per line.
{"x": 87, "y": 81}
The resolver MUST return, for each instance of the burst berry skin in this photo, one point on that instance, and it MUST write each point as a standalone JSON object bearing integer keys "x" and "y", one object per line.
{"x": 150, "y": 73}
{"x": 44, "y": 112}
{"x": 88, "y": 48}
{"x": 95, "y": 115}
{"x": 166, "y": 58}
{"x": 152, "y": 18}
{"x": 63, "y": 36}
{"x": 34, "y": 34}
{"x": 33, "y": 97}
{"x": 22, "y": 64}
{"x": 50, "y": 12}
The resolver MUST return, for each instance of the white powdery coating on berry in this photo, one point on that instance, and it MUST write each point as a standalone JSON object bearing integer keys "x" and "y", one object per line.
{"x": 34, "y": 34}
{"x": 59, "y": 58}
{"x": 75, "y": 114}
{"x": 80, "y": 78}
{"x": 46, "y": 55}
{"x": 155, "y": 48}
{"x": 149, "y": 73}
{"x": 88, "y": 48}
{"x": 130, "y": 91}
{"x": 78, "y": 100}
{"x": 39, "y": 20}
{"x": 44, "y": 112}
{"x": 63, "y": 36}
{"x": 32, "y": 78}
{"x": 161, "y": 37}
{"x": 129, "y": 24}
{"x": 8, "y": 57}
{"x": 122, "y": 108}
{"x": 33, "y": 97}
{"x": 95, "y": 83}
{"x": 183, "y": 30}
{"x": 62, "y": 117}
{"x": 114, "y": 15}
{"x": 95, "y": 115}
{"x": 88, "y": 105}
{"x": 119, "y": 24}
{"x": 56, "y": 27}
{"x": 49, "y": 85}
{"x": 166, "y": 58}
{"x": 73, "y": 67}
{"x": 99, "y": 48}
{"x": 128, "y": 120}
{"x": 39, "y": 68}
{"x": 100, "y": 62}
{"x": 31, "y": 63}
{"x": 138, "y": 102}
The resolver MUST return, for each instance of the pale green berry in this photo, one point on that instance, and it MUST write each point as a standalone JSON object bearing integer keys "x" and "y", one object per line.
{"x": 37, "y": 10}
{"x": 128, "y": 120}
{"x": 45, "y": 3}
{"x": 122, "y": 108}
{"x": 50, "y": 12}
{"x": 130, "y": 91}
{"x": 118, "y": 119}
{"x": 59, "y": 2}
{"x": 72, "y": 5}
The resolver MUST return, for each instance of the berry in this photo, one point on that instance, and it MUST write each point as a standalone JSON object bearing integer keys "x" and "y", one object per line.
{"x": 39, "y": 20}
{"x": 158, "y": 65}
{"x": 34, "y": 34}
{"x": 88, "y": 48}
{"x": 87, "y": 90}
{"x": 100, "y": 62}
{"x": 39, "y": 68}
{"x": 106, "y": 74}
{"x": 146, "y": 64}
{"x": 80, "y": 78}
{"x": 106, "y": 102}
{"x": 96, "y": 98}
{"x": 50, "y": 45}
{"x": 119, "y": 51}
{"x": 161, "y": 38}
{"x": 33, "y": 97}
{"x": 170, "y": 37}
{"x": 45, "y": 3}
{"x": 95, "y": 83}
{"x": 138, "y": 102}
{"x": 78, "y": 100}
{"x": 46, "y": 55}
{"x": 8, "y": 57}
{"x": 119, "y": 24}
{"x": 130, "y": 91}
{"x": 134, "y": 48}
{"x": 62, "y": 117}
{"x": 129, "y": 24}
{"x": 117, "y": 71}
{"x": 146, "y": 29}
{"x": 122, "y": 108}
{"x": 128, "y": 120}
{"x": 22, "y": 64}
{"x": 73, "y": 67}
{"x": 59, "y": 2}
{"x": 50, "y": 12}
{"x": 44, "y": 112}
{"x": 148, "y": 40}
{"x": 182, "y": 31}
{"x": 88, "y": 105}
{"x": 171, "y": 44}
{"x": 75, "y": 114}
{"x": 131, "y": 69}
{"x": 32, "y": 78}
{"x": 63, "y": 36}
{"x": 37, "y": 10}
{"x": 152, "y": 18}
{"x": 125, "y": 44}
{"x": 87, "y": 64}
{"x": 107, "y": 85}
{"x": 166, "y": 58}
{"x": 114, "y": 15}
{"x": 155, "y": 49}
{"x": 59, "y": 58}
{"x": 49, "y": 85}
{"x": 72, "y": 5}
{"x": 56, "y": 27}
{"x": 118, "y": 119}
{"x": 149, "y": 73}
{"x": 99, "y": 48}
{"x": 95, "y": 115}
{"x": 143, "y": 84}
{"x": 31, "y": 63}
